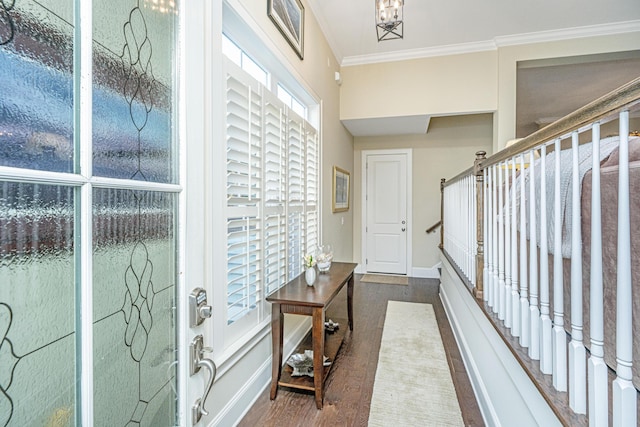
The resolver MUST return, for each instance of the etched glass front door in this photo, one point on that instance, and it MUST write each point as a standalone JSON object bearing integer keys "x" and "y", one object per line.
{"x": 88, "y": 213}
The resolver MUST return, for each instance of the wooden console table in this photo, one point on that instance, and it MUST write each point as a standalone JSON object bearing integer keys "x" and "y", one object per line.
{"x": 298, "y": 298}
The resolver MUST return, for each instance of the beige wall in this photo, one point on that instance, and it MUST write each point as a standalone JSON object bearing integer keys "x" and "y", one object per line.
{"x": 448, "y": 147}
{"x": 443, "y": 85}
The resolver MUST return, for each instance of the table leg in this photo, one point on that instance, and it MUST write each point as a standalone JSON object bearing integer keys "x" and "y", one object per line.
{"x": 277, "y": 321}
{"x": 318, "y": 353}
{"x": 350, "y": 301}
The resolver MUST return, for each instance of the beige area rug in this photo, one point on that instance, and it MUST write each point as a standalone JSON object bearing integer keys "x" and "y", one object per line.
{"x": 413, "y": 385}
{"x": 384, "y": 279}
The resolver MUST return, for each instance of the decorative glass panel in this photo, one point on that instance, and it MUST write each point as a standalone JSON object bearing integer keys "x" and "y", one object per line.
{"x": 133, "y": 90}
{"x": 37, "y": 305}
{"x": 36, "y": 102}
{"x": 134, "y": 274}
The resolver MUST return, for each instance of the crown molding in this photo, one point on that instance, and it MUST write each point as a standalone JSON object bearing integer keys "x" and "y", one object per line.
{"x": 569, "y": 33}
{"x": 497, "y": 42}
{"x": 403, "y": 55}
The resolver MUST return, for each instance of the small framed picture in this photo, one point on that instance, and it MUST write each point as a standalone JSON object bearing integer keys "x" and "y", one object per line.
{"x": 288, "y": 16}
{"x": 340, "y": 190}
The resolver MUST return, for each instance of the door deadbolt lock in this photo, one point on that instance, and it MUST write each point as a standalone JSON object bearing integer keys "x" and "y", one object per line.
{"x": 198, "y": 308}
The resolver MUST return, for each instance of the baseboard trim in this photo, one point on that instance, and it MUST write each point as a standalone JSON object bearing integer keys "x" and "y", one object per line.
{"x": 238, "y": 406}
{"x": 427, "y": 272}
{"x": 494, "y": 372}
{"x": 418, "y": 272}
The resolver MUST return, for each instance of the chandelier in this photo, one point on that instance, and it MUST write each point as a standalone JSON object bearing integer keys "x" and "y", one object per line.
{"x": 389, "y": 19}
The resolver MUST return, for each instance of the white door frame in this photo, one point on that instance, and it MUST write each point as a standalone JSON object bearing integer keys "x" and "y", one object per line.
{"x": 409, "y": 175}
{"x": 200, "y": 122}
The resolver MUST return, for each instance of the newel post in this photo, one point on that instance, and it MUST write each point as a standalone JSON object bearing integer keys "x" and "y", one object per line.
{"x": 479, "y": 173}
{"x": 441, "y": 245}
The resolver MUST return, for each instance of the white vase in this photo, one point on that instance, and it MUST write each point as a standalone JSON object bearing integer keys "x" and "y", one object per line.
{"x": 324, "y": 255}
{"x": 310, "y": 276}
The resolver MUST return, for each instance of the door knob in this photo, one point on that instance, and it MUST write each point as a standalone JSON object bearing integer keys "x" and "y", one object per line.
{"x": 403, "y": 228}
{"x": 197, "y": 361}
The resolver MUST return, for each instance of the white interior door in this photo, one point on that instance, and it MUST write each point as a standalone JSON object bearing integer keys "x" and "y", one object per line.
{"x": 386, "y": 213}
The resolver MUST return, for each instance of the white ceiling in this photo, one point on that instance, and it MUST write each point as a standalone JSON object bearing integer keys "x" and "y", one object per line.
{"x": 435, "y": 27}
{"x": 447, "y": 27}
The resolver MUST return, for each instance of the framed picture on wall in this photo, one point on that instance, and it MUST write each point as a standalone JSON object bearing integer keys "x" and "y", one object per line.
{"x": 288, "y": 16}
{"x": 340, "y": 190}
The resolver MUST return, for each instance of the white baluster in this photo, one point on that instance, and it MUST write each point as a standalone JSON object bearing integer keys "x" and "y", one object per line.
{"x": 545, "y": 320}
{"x": 559, "y": 335}
{"x": 494, "y": 220}
{"x": 577, "y": 352}
{"x": 468, "y": 228}
{"x": 447, "y": 217}
{"x": 534, "y": 311}
{"x": 624, "y": 393}
{"x": 515, "y": 295}
{"x": 464, "y": 224}
{"x": 507, "y": 249}
{"x": 489, "y": 243}
{"x": 474, "y": 230}
{"x": 525, "y": 329}
{"x": 501, "y": 282}
{"x": 485, "y": 241}
{"x": 596, "y": 367}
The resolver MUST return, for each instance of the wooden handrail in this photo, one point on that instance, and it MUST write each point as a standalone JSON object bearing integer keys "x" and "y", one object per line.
{"x": 433, "y": 227}
{"x": 615, "y": 101}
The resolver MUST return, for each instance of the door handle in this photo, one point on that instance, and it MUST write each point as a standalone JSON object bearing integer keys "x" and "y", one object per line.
{"x": 197, "y": 361}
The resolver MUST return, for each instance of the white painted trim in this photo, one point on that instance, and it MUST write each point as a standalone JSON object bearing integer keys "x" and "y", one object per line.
{"x": 243, "y": 400}
{"x": 426, "y": 272}
{"x": 363, "y": 220}
{"x": 404, "y": 55}
{"x": 494, "y": 372}
{"x": 197, "y": 117}
{"x": 569, "y": 33}
{"x": 494, "y": 44}
{"x": 83, "y": 118}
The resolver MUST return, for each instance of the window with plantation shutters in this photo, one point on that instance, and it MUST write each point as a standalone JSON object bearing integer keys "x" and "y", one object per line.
{"x": 272, "y": 186}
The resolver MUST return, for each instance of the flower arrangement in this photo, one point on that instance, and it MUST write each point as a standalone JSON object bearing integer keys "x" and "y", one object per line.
{"x": 309, "y": 261}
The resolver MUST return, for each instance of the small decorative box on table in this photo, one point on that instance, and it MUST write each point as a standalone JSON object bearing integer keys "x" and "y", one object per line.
{"x": 298, "y": 298}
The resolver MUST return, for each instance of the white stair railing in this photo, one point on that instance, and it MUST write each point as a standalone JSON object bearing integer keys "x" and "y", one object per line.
{"x": 498, "y": 232}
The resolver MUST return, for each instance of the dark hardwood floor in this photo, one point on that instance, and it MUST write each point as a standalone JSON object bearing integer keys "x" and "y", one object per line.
{"x": 350, "y": 384}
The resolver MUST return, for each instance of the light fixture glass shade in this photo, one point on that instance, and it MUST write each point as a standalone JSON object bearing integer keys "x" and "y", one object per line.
{"x": 389, "y": 17}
